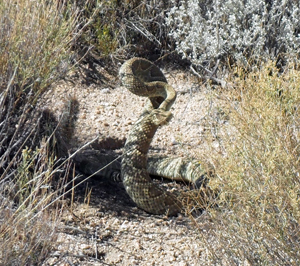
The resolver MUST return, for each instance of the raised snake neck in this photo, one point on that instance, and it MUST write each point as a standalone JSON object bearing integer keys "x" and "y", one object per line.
{"x": 136, "y": 167}
{"x": 143, "y": 78}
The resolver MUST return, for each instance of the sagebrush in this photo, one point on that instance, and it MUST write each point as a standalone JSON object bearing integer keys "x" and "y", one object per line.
{"x": 243, "y": 32}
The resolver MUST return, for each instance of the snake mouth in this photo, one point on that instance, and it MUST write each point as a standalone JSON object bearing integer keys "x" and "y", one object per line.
{"x": 143, "y": 78}
{"x": 156, "y": 101}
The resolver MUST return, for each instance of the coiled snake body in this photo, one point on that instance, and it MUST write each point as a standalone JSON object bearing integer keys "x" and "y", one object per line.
{"x": 143, "y": 78}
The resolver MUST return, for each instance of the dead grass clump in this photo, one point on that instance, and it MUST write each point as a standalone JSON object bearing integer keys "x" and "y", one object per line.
{"x": 36, "y": 39}
{"x": 257, "y": 221}
{"x": 27, "y": 225}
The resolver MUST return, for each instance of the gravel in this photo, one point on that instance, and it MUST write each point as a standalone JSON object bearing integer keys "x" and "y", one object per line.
{"x": 110, "y": 230}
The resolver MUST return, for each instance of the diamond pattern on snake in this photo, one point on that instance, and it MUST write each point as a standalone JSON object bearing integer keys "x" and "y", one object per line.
{"x": 143, "y": 78}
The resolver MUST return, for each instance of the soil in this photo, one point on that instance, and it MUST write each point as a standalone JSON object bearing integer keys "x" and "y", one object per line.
{"x": 103, "y": 226}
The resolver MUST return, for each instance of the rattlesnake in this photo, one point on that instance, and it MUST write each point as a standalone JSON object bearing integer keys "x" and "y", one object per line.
{"x": 143, "y": 78}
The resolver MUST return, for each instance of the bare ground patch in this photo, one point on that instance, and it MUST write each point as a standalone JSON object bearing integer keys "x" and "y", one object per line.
{"x": 103, "y": 226}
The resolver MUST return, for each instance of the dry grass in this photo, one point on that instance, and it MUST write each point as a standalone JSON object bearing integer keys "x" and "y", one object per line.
{"x": 257, "y": 173}
{"x": 36, "y": 39}
{"x": 255, "y": 218}
{"x": 27, "y": 225}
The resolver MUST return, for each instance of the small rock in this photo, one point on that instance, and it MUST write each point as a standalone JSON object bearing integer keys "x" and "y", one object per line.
{"x": 173, "y": 141}
{"x": 105, "y": 90}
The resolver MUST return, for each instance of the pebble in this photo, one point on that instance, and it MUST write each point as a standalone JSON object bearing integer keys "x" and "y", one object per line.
{"x": 105, "y": 90}
{"x": 173, "y": 141}
{"x": 125, "y": 239}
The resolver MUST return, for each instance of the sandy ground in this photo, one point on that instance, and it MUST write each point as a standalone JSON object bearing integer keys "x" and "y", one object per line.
{"x": 103, "y": 226}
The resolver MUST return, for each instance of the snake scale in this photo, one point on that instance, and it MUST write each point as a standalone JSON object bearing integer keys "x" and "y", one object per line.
{"x": 143, "y": 78}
